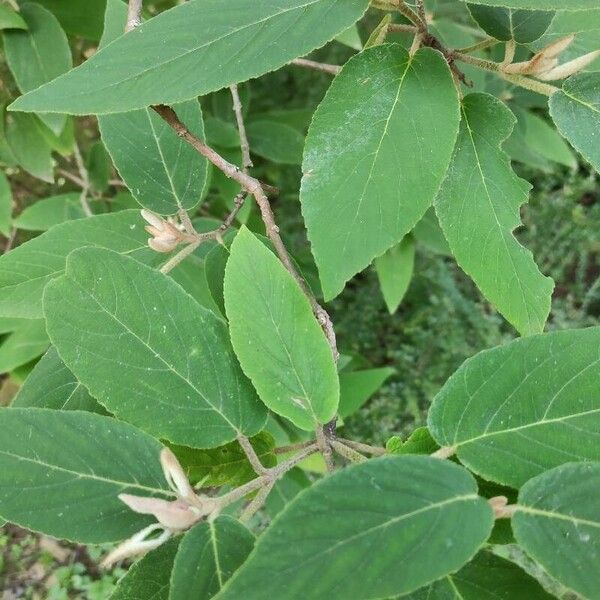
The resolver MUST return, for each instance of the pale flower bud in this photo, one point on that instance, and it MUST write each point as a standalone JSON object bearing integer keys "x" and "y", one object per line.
{"x": 570, "y": 68}
{"x": 174, "y": 515}
{"x": 137, "y": 544}
{"x": 555, "y": 48}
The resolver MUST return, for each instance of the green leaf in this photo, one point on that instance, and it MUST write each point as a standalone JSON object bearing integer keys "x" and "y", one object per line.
{"x": 478, "y": 208}
{"x": 98, "y": 167}
{"x": 541, "y": 4}
{"x": 275, "y": 141}
{"x": 28, "y": 342}
{"x": 25, "y": 270}
{"x": 9, "y": 324}
{"x": 576, "y": 112}
{"x": 357, "y": 387}
{"x": 178, "y": 377}
{"x": 61, "y": 472}
{"x": 523, "y": 26}
{"x": 38, "y": 55}
{"x": 190, "y": 275}
{"x": 29, "y": 146}
{"x": 221, "y": 133}
{"x": 418, "y": 442}
{"x": 350, "y": 37}
{"x": 557, "y": 523}
{"x": 48, "y": 212}
{"x": 429, "y": 233}
{"x": 150, "y": 577}
{"x": 163, "y": 172}
{"x": 276, "y": 337}
{"x": 227, "y": 465}
{"x": 126, "y": 75}
{"x": 520, "y": 409}
{"x": 10, "y": 19}
{"x": 285, "y": 490}
{"x": 486, "y": 577}
{"x": 385, "y": 113}
{"x": 337, "y": 538}
{"x": 52, "y": 385}
{"x": 394, "y": 270}
{"x": 6, "y": 155}
{"x": 78, "y": 17}
{"x": 6, "y": 205}
{"x": 208, "y": 556}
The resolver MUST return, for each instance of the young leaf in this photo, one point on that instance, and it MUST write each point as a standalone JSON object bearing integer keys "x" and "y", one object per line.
{"x": 486, "y": 577}
{"x": 276, "y": 337}
{"x": 394, "y": 269}
{"x": 227, "y": 465}
{"x": 327, "y": 543}
{"x": 376, "y": 152}
{"x": 38, "y": 54}
{"x": 178, "y": 377}
{"x": 429, "y": 233}
{"x": 10, "y": 19}
{"x": 520, "y": 409}
{"x": 557, "y": 523}
{"x": 418, "y": 442}
{"x": 25, "y": 270}
{"x": 274, "y": 141}
{"x": 357, "y": 387}
{"x": 125, "y": 75}
{"x": 478, "y": 208}
{"x": 576, "y": 112}
{"x": 150, "y": 577}
{"x": 52, "y": 385}
{"x": 61, "y": 472}
{"x": 541, "y": 4}
{"x": 523, "y": 26}
{"x": 29, "y": 146}
{"x": 28, "y": 342}
{"x": 208, "y": 555}
{"x": 6, "y": 205}
{"x": 49, "y": 212}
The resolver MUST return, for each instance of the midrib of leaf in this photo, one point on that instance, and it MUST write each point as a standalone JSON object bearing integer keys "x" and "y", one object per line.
{"x": 592, "y": 107}
{"x": 92, "y": 476}
{"x": 213, "y": 541}
{"x": 157, "y": 355}
{"x": 529, "y": 426}
{"x": 159, "y": 65}
{"x": 489, "y": 198}
{"x": 376, "y": 154}
{"x": 454, "y": 588}
{"x": 555, "y": 515}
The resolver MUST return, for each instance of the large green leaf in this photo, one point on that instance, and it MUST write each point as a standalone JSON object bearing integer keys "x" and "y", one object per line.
{"x": 558, "y": 524}
{"x": 149, "y": 577}
{"x": 78, "y": 17}
{"x": 39, "y": 54}
{"x": 524, "y": 26}
{"x": 394, "y": 270}
{"x": 178, "y": 378}
{"x": 208, "y": 556}
{"x": 520, "y": 409}
{"x": 376, "y": 152}
{"x": 346, "y": 536}
{"x": 6, "y": 205}
{"x": 23, "y": 345}
{"x": 29, "y": 145}
{"x": 478, "y": 208}
{"x": 576, "y": 112}
{"x": 10, "y": 19}
{"x": 541, "y": 4}
{"x": 226, "y": 465}
{"x": 276, "y": 337}
{"x": 61, "y": 472}
{"x": 52, "y": 385}
{"x": 25, "y": 270}
{"x": 205, "y": 45}
{"x": 486, "y": 577}
{"x": 163, "y": 172}
{"x": 48, "y": 212}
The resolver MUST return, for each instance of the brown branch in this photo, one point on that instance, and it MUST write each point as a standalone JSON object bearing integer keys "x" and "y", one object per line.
{"x": 251, "y": 455}
{"x": 134, "y": 15}
{"x": 366, "y": 448}
{"x": 239, "y": 117}
{"x": 311, "y": 64}
{"x": 254, "y": 187}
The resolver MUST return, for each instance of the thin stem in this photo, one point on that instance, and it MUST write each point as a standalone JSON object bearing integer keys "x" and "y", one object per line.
{"x": 10, "y": 240}
{"x": 311, "y": 64}
{"x": 531, "y": 84}
{"x": 324, "y": 446}
{"x": 421, "y": 11}
{"x": 293, "y": 447}
{"x": 256, "y": 502}
{"x": 251, "y": 455}
{"x": 239, "y": 117}
{"x": 488, "y": 65}
{"x": 76, "y": 180}
{"x": 182, "y": 254}
{"x": 366, "y": 448}
{"x": 134, "y": 15}
{"x": 409, "y": 13}
{"x": 444, "y": 452}
{"x": 84, "y": 175}
{"x": 401, "y": 28}
{"x": 486, "y": 43}
{"x": 509, "y": 52}
{"x": 347, "y": 452}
